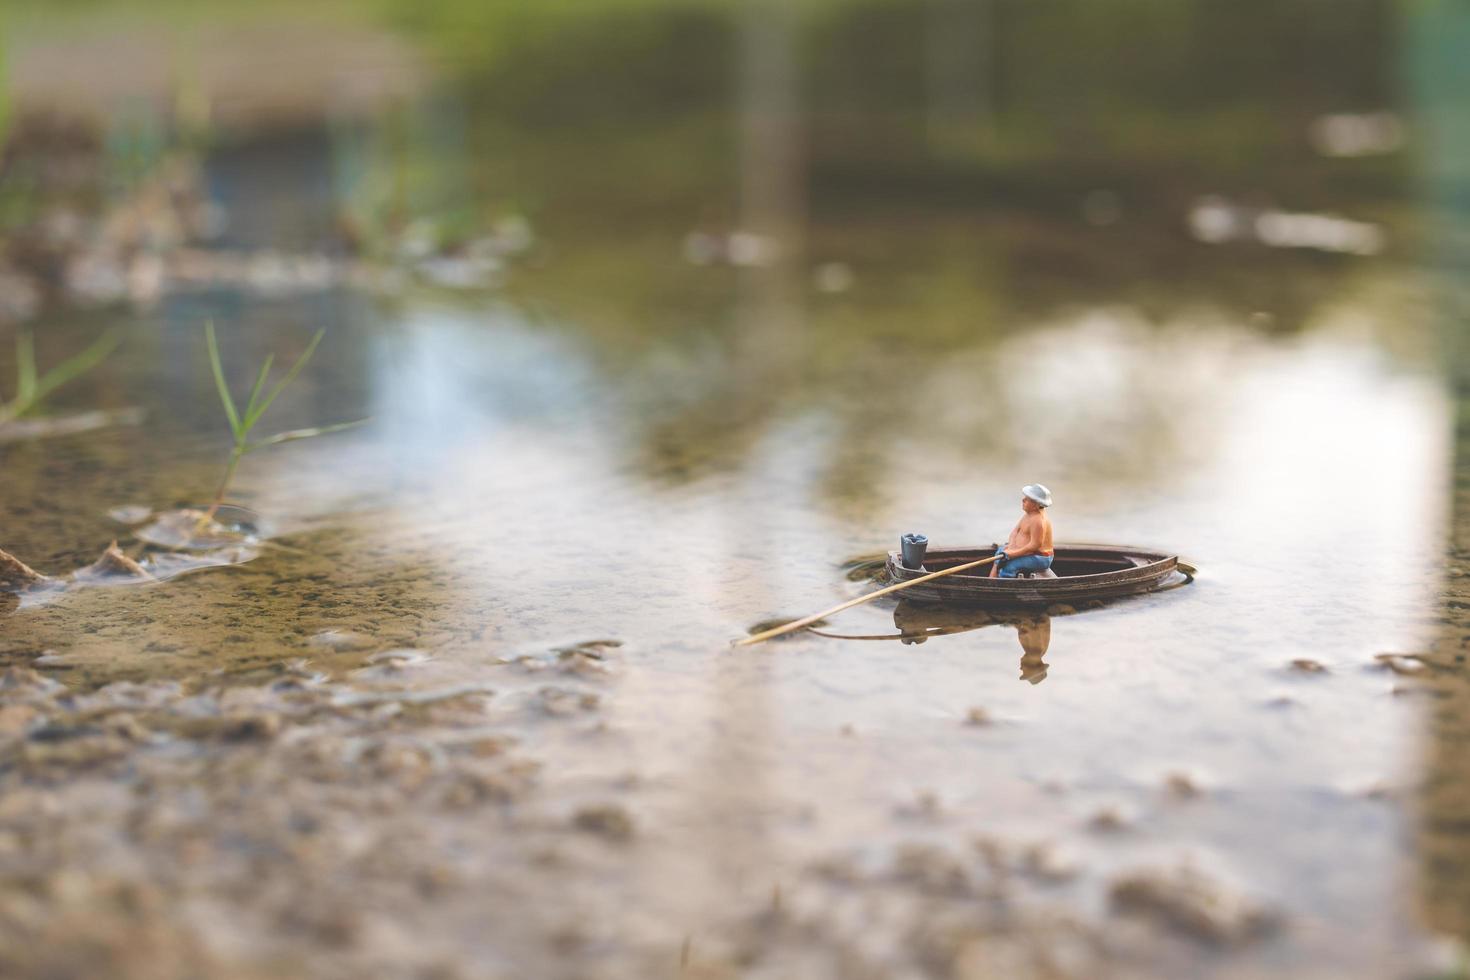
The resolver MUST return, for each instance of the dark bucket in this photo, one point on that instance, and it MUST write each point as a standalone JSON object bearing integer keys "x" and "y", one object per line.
{"x": 913, "y": 547}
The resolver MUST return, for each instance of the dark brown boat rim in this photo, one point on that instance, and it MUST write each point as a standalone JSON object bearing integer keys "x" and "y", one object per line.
{"x": 1082, "y": 571}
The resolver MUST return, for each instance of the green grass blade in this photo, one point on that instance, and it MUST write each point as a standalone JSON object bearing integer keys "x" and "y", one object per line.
{"x": 219, "y": 382}
{"x": 311, "y": 433}
{"x": 25, "y": 369}
{"x": 290, "y": 375}
{"x": 76, "y": 365}
{"x": 265, "y": 369}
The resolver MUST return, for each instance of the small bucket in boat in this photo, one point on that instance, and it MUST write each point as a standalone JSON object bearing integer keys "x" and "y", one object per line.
{"x": 913, "y": 547}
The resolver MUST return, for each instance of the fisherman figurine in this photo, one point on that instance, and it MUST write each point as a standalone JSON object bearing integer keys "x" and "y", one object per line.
{"x": 1029, "y": 547}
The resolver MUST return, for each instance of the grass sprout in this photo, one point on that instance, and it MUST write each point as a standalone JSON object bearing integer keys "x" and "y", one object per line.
{"x": 243, "y": 422}
{"x": 31, "y": 387}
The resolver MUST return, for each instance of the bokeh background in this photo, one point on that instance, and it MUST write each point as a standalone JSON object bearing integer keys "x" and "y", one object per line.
{"x": 665, "y": 314}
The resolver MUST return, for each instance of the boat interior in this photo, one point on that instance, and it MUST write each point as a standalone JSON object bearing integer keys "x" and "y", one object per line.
{"x": 1068, "y": 562}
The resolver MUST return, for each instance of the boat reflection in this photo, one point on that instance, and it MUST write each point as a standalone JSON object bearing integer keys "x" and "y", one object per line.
{"x": 918, "y": 622}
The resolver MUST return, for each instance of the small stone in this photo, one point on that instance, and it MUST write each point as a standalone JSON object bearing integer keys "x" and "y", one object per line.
{"x": 113, "y": 564}
{"x": 1109, "y": 820}
{"x": 399, "y": 657}
{"x": 931, "y": 869}
{"x": 340, "y": 640}
{"x": 608, "y": 820}
{"x": 1305, "y": 666}
{"x": 16, "y": 575}
{"x": 127, "y": 727}
{"x": 250, "y": 728}
{"x": 1193, "y": 904}
{"x": 473, "y": 789}
{"x": 487, "y": 747}
{"x": 559, "y": 702}
{"x": 978, "y": 718}
{"x": 1180, "y": 786}
{"x": 591, "y": 649}
{"x": 1045, "y": 862}
{"x": 1405, "y": 664}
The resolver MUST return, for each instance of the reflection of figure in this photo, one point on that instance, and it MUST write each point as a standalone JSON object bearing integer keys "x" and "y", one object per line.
{"x": 1028, "y": 549}
{"x": 916, "y": 623}
{"x": 1035, "y": 637}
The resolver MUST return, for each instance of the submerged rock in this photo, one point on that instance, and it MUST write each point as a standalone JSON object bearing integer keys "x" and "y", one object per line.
{"x": 561, "y": 702}
{"x": 1110, "y": 820}
{"x": 335, "y": 639}
{"x": 588, "y": 659}
{"x": 931, "y": 870}
{"x": 16, "y": 575}
{"x": 112, "y": 566}
{"x": 1190, "y": 902}
{"x": 608, "y": 820}
{"x": 1404, "y": 664}
{"x": 1307, "y": 666}
{"x": 978, "y": 717}
{"x": 1181, "y": 786}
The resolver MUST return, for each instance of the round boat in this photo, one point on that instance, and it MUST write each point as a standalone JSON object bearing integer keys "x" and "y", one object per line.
{"x": 1079, "y": 572}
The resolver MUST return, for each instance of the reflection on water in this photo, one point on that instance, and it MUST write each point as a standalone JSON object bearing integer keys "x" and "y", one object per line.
{"x": 1035, "y": 637}
{"x": 918, "y": 623}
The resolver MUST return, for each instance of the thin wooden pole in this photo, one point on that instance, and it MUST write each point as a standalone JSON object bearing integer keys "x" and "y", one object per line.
{"x": 808, "y": 620}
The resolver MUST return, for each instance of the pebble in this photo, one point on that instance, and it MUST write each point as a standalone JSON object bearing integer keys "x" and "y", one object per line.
{"x": 561, "y": 702}
{"x": 1181, "y": 786}
{"x": 1191, "y": 903}
{"x": 931, "y": 869}
{"x": 1305, "y": 666}
{"x": 1109, "y": 820}
{"x": 1405, "y": 664}
{"x": 16, "y": 575}
{"x": 340, "y": 640}
{"x": 606, "y": 820}
{"x": 113, "y": 565}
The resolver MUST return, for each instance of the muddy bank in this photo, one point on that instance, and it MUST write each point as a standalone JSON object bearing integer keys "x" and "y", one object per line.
{"x": 168, "y": 830}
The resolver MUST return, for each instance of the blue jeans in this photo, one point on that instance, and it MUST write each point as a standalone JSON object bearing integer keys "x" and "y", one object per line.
{"x": 1026, "y": 563}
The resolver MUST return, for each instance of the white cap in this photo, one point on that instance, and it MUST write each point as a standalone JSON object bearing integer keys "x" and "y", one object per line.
{"x": 1038, "y": 493}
